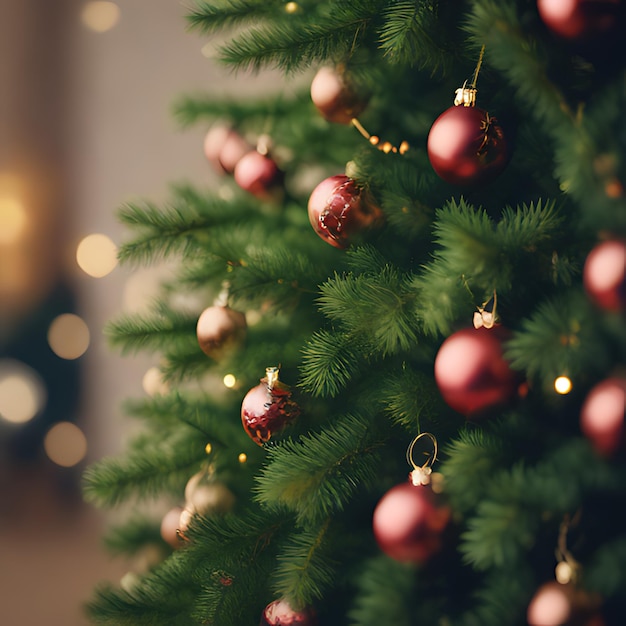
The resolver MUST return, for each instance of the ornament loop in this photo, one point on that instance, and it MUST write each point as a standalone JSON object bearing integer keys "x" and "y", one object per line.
{"x": 421, "y": 473}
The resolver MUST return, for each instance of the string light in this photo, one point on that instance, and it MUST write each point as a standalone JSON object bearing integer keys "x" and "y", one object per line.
{"x": 563, "y": 385}
{"x": 243, "y": 457}
{"x": 96, "y": 255}
{"x": 68, "y": 336}
{"x": 208, "y": 448}
{"x": 229, "y": 381}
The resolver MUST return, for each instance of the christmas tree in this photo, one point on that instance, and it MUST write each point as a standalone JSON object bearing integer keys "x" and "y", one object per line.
{"x": 411, "y": 283}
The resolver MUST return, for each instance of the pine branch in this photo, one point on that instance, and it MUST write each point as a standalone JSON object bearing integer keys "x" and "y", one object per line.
{"x": 134, "y": 535}
{"x": 157, "y": 331}
{"x": 289, "y": 45}
{"x": 162, "y": 467}
{"x": 329, "y": 362}
{"x": 318, "y": 475}
{"x": 208, "y": 17}
{"x": 559, "y": 338}
{"x": 378, "y": 308}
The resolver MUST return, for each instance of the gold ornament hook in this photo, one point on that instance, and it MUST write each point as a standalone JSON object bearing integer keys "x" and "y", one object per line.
{"x": 421, "y": 473}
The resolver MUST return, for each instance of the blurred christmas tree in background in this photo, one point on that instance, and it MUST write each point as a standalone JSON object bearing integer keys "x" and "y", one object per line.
{"x": 415, "y": 263}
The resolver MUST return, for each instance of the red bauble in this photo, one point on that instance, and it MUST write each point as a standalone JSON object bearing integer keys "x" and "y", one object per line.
{"x": 224, "y": 147}
{"x": 258, "y": 174}
{"x": 466, "y": 146}
{"x": 580, "y": 19}
{"x": 280, "y": 613}
{"x": 604, "y": 275}
{"x": 555, "y": 604}
{"x": 335, "y": 98}
{"x": 219, "y": 329}
{"x": 408, "y": 523}
{"x": 602, "y": 415}
{"x": 268, "y": 408}
{"x": 471, "y": 372}
{"x": 339, "y": 210}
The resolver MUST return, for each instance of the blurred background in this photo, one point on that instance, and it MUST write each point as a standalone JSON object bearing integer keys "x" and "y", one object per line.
{"x": 86, "y": 90}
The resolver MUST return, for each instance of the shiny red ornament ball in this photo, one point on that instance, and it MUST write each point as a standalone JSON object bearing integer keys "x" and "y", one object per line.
{"x": 466, "y": 146}
{"x": 280, "y": 613}
{"x": 268, "y": 408}
{"x": 335, "y": 97}
{"x": 258, "y": 174}
{"x": 602, "y": 416}
{"x": 472, "y": 373}
{"x": 339, "y": 210}
{"x": 604, "y": 275}
{"x": 408, "y": 523}
{"x": 219, "y": 329}
{"x": 580, "y": 19}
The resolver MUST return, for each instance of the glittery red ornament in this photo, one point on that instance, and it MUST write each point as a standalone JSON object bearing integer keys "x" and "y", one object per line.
{"x": 602, "y": 415}
{"x": 409, "y": 521}
{"x": 466, "y": 146}
{"x": 580, "y": 19}
{"x": 555, "y": 604}
{"x": 604, "y": 275}
{"x": 335, "y": 97}
{"x": 280, "y": 613}
{"x": 268, "y": 408}
{"x": 258, "y": 174}
{"x": 339, "y": 210}
{"x": 471, "y": 372}
{"x": 219, "y": 329}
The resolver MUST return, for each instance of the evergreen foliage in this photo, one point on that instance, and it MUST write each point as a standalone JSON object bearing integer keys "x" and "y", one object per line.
{"x": 355, "y": 332}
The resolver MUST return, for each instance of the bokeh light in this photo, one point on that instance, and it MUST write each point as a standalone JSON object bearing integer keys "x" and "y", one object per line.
{"x": 96, "y": 255}
{"x": 65, "y": 444}
{"x": 229, "y": 381}
{"x": 22, "y": 392}
{"x": 100, "y": 16}
{"x": 243, "y": 457}
{"x": 153, "y": 383}
{"x": 12, "y": 218}
{"x": 208, "y": 448}
{"x": 563, "y": 385}
{"x": 68, "y": 336}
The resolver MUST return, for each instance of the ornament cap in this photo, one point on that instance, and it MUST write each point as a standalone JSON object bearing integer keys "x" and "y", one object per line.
{"x": 465, "y": 96}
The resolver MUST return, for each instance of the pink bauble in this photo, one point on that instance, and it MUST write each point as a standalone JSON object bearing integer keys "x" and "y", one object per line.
{"x": 258, "y": 174}
{"x": 550, "y": 606}
{"x": 408, "y": 523}
{"x": 219, "y": 329}
{"x": 234, "y": 148}
{"x": 604, "y": 275}
{"x": 580, "y": 19}
{"x": 213, "y": 143}
{"x": 334, "y": 97}
{"x": 466, "y": 146}
{"x": 170, "y": 525}
{"x": 339, "y": 210}
{"x": 602, "y": 415}
{"x": 471, "y": 372}
{"x": 280, "y": 613}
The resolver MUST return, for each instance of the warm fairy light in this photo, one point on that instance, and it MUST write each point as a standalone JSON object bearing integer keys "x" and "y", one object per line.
{"x": 291, "y": 7}
{"x": 243, "y": 457}
{"x": 68, "y": 336}
{"x": 563, "y": 572}
{"x": 22, "y": 392}
{"x": 65, "y": 444}
{"x": 229, "y": 381}
{"x": 153, "y": 383}
{"x": 96, "y": 255}
{"x": 12, "y": 218}
{"x": 208, "y": 448}
{"x": 100, "y": 16}
{"x": 563, "y": 385}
